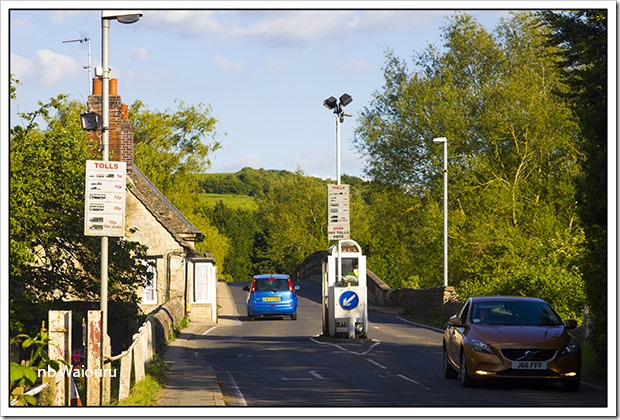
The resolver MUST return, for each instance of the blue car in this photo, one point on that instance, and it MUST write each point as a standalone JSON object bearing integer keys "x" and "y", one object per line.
{"x": 271, "y": 294}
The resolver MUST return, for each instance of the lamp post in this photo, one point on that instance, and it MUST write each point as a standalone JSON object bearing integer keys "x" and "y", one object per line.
{"x": 337, "y": 107}
{"x": 123, "y": 16}
{"x": 444, "y": 140}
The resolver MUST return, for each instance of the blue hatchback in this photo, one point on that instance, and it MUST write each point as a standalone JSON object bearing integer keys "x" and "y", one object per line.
{"x": 271, "y": 294}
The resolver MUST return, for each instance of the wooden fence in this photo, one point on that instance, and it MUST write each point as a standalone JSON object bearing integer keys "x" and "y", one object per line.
{"x": 126, "y": 368}
{"x": 137, "y": 357}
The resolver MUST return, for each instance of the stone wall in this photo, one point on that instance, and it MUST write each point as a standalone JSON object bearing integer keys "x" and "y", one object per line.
{"x": 165, "y": 319}
{"x": 433, "y": 306}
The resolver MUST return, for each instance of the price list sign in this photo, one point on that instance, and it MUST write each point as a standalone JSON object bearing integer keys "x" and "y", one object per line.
{"x": 338, "y": 212}
{"x": 104, "y": 213}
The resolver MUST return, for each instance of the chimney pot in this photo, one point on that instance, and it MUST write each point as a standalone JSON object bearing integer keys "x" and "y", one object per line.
{"x": 96, "y": 86}
{"x": 113, "y": 87}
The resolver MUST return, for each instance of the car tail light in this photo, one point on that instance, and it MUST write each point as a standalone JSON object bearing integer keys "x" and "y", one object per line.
{"x": 290, "y": 286}
{"x": 253, "y": 286}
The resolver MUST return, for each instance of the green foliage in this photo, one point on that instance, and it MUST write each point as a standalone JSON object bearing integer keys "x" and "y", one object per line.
{"x": 292, "y": 217}
{"x": 247, "y": 181}
{"x": 581, "y": 38}
{"x": 172, "y": 149}
{"x": 24, "y": 375}
{"x": 241, "y": 227}
{"x": 50, "y": 257}
{"x": 513, "y": 165}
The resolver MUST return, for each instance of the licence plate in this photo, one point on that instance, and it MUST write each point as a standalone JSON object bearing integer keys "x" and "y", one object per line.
{"x": 529, "y": 365}
{"x": 271, "y": 299}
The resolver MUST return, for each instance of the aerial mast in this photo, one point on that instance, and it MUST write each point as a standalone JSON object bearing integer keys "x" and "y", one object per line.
{"x": 88, "y": 67}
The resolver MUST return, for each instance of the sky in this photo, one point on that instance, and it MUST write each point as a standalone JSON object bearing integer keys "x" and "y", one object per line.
{"x": 264, "y": 72}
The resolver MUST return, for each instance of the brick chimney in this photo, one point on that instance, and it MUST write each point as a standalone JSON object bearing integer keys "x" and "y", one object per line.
{"x": 121, "y": 142}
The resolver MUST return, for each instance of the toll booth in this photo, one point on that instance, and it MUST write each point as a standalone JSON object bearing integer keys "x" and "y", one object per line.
{"x": 345, "y": 310}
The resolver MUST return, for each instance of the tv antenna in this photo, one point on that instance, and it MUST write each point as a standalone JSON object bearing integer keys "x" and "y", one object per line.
{"x": 89, "y": 67}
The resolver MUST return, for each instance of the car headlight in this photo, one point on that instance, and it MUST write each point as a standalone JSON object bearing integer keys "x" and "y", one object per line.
{"x": 479, "y": 346}
{"x": 571, "y": 347}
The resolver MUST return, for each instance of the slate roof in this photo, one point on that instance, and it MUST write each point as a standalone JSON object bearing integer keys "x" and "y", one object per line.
{"x": 162, "y": 209}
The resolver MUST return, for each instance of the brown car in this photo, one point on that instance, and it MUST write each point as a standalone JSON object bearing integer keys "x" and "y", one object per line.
{"x": 510, "y": 337}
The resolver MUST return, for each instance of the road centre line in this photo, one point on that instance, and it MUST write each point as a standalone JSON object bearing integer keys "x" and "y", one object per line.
{"x": 411, "y": 380}
{"x": 345, "y": 350}
{"x": 376, "y": 363}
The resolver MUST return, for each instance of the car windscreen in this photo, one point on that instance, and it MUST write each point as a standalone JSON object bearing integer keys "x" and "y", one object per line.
{"x": 514, "y": 313}
{"x": 274, "y": 285}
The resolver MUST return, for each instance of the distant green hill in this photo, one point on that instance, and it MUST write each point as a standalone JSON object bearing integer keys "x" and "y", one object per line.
{"x": 238, "y": 190}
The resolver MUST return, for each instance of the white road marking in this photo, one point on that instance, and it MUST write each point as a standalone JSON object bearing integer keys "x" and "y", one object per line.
{"x": 411, "y": 380}
{"x": 316, "y": 374}
{"x": 376, "y": 364}
{"x": 209, "y": 330}
{"x": 339, "y": 347}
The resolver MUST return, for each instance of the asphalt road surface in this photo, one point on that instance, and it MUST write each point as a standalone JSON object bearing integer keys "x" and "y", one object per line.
{"x": 284, "y": 363}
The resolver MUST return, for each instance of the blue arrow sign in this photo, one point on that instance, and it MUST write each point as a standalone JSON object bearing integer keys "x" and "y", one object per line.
{"x": 349, "y": 300}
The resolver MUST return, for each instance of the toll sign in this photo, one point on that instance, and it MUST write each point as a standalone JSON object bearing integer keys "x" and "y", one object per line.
{"x": 104, "y": 213}
{"x": 338, "y": 212}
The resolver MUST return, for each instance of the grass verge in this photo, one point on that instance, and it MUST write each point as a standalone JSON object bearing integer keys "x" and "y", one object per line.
{"x": 144, "y": 392}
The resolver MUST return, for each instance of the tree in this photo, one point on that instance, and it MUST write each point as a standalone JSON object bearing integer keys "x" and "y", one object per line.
{"x": 513, "y": 159}
{"x": 581, "y": 39}
{"x": 170, "y": 147}
{"x": 240, "y": 227}
{"x": 171, "y": 150}
{"x": 292, "y": 220}
{"x": 50, "y": 258}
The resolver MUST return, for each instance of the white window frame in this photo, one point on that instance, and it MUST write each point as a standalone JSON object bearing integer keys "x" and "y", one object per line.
{"x": 150, "y": 289}
{"x": 201, "y": 288}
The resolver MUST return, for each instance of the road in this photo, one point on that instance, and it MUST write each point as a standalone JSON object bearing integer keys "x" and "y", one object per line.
{"x": 285, "y": 363}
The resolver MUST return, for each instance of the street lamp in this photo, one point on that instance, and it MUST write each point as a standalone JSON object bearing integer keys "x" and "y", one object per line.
{"x": 122, "y": 16}
{"x": 332, "y": 104}
{"x": 444, "y": 140}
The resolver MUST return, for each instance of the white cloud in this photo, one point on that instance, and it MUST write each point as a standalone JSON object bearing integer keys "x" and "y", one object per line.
{"x": 46, "y": 69}
{"x": 294, "y": 28}
{"x": 282, "y": 28}
{"x": 21, "y": 67}
{"x": 52, "y": 68}
{"x": 227, "y": 64}
{"x": 186, "y": 22}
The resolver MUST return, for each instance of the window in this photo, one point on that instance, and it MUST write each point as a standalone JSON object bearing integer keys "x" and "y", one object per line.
{"x": 149, "y": 292}
{"x": 201, "y": 282}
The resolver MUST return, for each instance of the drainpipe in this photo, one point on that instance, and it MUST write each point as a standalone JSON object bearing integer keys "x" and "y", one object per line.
{"x": 186, "y": 303}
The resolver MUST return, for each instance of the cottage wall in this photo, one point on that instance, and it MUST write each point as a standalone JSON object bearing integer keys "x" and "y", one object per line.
{"x": 151, "y": 220}
{"x": 141, "y": 226}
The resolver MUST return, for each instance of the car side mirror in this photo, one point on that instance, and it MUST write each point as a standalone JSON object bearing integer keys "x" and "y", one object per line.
{"x": 246, "y": 288}
{"x": 296, "y": 287}
{"x": 570, "y": 324}
{"x": 455, "y": 321}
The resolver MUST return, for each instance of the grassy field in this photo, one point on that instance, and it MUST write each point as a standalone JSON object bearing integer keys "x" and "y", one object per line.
{"x": 233, "y": 201}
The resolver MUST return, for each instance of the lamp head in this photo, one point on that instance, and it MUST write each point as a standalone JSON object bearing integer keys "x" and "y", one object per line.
{"x": 123, "y": 16}
{"x": 345, "y": 99}
{"x": 330, "y": 103}
{"x": 439, "y": 140}
{"x": 91, "y": 121}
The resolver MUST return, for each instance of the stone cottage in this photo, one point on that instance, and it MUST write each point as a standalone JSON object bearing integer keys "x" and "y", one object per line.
{"x": 152, "y": 220}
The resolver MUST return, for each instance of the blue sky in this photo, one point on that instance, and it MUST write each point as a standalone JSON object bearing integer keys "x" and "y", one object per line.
{"x": 264, "y": 72}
